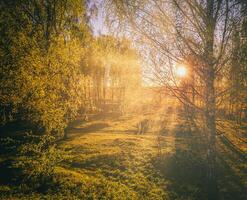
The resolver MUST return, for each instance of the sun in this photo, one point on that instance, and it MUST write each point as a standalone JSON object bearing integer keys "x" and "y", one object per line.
{"x": 181, "y": 71}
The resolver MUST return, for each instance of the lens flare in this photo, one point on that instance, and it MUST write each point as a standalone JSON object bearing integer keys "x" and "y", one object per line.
{"x": 181, "y": 71}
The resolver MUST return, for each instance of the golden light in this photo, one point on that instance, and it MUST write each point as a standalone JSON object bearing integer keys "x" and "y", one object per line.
{"x": 181, "y": 71}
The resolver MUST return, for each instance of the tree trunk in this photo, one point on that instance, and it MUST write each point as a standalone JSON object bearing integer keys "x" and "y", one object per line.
{"x": 211, "y": 132}
{"x": 210, "y": 102}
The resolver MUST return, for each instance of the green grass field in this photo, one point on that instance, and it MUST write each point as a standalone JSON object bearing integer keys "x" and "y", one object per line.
{"x": 106, "y": 159}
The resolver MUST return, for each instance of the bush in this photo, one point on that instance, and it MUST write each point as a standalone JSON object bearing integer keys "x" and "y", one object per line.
{"x": 37, "y": 160}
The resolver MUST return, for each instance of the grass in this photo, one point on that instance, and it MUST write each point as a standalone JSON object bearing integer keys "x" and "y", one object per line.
{"x": 120, "y": 159}
{"x": 106, "y": 159}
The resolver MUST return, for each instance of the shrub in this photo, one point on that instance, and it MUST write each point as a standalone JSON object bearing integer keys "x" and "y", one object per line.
{"x": 37, "y": 160}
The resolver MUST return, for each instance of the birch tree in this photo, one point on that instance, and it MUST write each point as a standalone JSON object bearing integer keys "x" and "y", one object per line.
{"x": 192, "y": 33}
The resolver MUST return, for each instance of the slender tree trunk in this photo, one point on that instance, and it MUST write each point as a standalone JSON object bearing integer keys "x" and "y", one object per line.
{"x": 211, "y": 132}
{"x": 210, "y": 103}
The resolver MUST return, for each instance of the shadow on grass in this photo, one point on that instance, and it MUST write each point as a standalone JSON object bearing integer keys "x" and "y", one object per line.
{"x": 230, "y": 183}
{"x": 102, "y": 161}
{"x": 73, "y": 132}
{"x": 107, "y": 116}
{"x": 232, "y": 170}
{"x": 185, "y": 170}
{"x": 130, "y": 131}
{"x": 89, "y": 128}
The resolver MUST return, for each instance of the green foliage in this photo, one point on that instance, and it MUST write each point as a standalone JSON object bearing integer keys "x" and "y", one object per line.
{"x": 51, "y": 67}
{"x": 37, "y": 160}
{"x": 41, "y": 51}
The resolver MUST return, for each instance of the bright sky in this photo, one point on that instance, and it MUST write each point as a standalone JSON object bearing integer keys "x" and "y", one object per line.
{"x": 97, "y": 22}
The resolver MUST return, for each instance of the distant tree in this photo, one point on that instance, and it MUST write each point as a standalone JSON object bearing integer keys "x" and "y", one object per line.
{"x": 237, "y": 76}
{"x": 116, "y": 67}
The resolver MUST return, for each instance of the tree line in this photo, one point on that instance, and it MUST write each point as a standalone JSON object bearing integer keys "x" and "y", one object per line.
{"x": 53, "y": 68}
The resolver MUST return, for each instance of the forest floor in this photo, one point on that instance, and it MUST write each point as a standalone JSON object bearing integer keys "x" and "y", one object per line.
{"x": 107, "y": 159}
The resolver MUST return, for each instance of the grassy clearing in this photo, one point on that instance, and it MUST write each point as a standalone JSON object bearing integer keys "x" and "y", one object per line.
{"x": 116, "y": 156}
{"x": 107, "y": 160}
